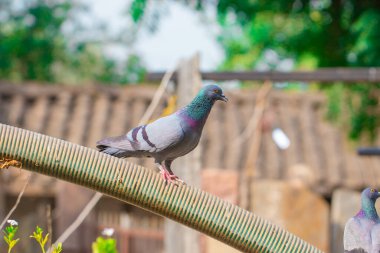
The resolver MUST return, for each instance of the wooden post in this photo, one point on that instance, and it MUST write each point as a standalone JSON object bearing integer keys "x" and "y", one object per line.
{"x": 179, "y": 238}
{"x": 250, "y": 170}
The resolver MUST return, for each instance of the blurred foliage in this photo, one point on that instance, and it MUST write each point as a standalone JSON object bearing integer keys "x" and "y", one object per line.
{"x": 33, "y": 46}
{"x": 364, "y": 110}
{"x": 335, "y": 95}
{"x": 334, "y": 33}
{"x": 356, "y": 106}
{"x": 137, "y": 9}
{"x": 312, "y": 34}
{"x": 104, "y": 245}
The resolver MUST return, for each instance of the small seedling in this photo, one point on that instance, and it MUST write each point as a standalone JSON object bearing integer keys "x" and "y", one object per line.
{"x": 40, "y": 238}
{"x": 11, "y": 230}
{"x": 105, "y": 244}
{"x": 9, "y": 234}
{"x": 57, "y": 248}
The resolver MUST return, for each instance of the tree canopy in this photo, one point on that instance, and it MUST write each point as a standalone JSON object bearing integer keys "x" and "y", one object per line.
{"x": 34, "y": 46}
{"x": 311, "y": 34}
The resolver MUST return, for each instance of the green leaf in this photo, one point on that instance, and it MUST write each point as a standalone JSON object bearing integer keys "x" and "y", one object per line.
{"x": 45, "y": 240}
{"x": 37, "y": 234}
{"x": 11, "y": 236}
{"x": 137, "y": 9}
{"x": 13, "y": 243}
{"x": 102, "y": 245}
{"x": 57, "y": 248}
{"x": 39, "y": 230}
{"x": 6, "y": 240}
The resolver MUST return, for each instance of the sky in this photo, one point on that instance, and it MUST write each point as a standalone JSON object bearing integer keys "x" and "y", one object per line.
{"x": 181, "y": 33}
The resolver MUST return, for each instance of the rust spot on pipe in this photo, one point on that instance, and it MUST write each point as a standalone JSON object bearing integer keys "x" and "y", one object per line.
{"x": 5, "y": 163}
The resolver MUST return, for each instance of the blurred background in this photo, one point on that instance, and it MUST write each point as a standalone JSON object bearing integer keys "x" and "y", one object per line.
{"x": 303, "y": 81}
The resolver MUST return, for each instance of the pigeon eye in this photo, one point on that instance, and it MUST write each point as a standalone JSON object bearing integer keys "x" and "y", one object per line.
{"x": 216, "y": 91}
{"x": 372, "y": 190}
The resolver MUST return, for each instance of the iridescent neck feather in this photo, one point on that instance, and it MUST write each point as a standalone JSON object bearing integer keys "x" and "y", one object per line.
{"x": 368, "y": 209}
{"x": 198, "y": 110}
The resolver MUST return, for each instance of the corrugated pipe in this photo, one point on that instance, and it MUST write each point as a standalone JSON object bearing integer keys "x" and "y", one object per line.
{"x": 144, "y": 188}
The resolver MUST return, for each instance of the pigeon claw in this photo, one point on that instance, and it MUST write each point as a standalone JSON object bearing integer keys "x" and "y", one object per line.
{"x": 177, "y": 179}
{"x": 167, "y": 177}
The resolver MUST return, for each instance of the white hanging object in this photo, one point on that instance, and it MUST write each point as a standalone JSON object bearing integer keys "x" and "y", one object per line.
{"x": 280, "y": 138}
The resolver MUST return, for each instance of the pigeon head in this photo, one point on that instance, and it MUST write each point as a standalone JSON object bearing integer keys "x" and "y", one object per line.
{"x": 213, "y": 92}
{"x": 369, "y": 197}
{"x": 370, "y": 194}
{"x": 196, "y": 113}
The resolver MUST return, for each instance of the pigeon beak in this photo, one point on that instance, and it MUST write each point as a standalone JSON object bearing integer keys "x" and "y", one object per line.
{"x": 223, "y": 98}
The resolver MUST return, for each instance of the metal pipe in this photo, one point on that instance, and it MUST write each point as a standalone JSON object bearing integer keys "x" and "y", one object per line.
{"x": 368, "y": 151}
{"x": 322, "y": 75}
{"x": 142, "y": 187}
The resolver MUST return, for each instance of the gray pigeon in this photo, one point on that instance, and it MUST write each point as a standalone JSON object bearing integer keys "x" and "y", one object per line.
{"x": 362, "y": 232}
{"x": 168, "y": 137}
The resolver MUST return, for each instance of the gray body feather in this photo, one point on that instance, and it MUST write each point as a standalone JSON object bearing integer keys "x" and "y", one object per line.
{"x": 362, "y": 235}
{"x": 164, "y": 139}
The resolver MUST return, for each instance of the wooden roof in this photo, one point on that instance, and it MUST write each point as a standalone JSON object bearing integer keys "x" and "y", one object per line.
{"x": 318, "y": 152}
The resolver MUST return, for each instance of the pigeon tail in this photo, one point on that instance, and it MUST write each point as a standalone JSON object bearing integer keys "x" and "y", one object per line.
{"x": 118, "y": 146}
{"x": 112, "y": 151}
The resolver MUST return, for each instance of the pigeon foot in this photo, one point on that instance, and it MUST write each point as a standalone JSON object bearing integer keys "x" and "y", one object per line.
{"x": 177, "y": 179}
{"x": 170, "y": 178}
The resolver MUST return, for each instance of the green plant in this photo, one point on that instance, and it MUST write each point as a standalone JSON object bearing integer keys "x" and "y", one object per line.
{"x": 10, "y": 232}
{"x": 104, "y": 245}
{"x": 39, "y": 237}
{"x": 57, "y": 248}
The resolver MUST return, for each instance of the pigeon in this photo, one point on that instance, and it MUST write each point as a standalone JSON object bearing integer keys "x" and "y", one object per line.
{"x": 362, "y": 232}
{"x": 166, "y": 138}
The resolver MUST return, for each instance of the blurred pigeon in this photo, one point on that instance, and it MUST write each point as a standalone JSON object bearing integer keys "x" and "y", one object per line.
{"x": 362, "y": 232}
{"x": 168, "y": 137}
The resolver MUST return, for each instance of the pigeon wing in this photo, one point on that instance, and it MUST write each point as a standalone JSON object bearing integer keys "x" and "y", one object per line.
{"x": 158, "y": 135}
